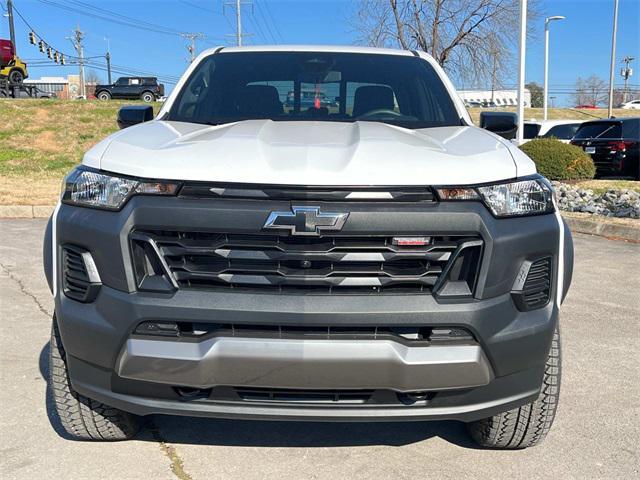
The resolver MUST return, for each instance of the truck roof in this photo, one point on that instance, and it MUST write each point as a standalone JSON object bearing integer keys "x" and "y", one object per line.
{"x": 310, "y": 48}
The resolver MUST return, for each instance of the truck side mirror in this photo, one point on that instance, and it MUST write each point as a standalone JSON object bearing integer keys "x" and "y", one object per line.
{"x": 504, "y": 124}
{"x": 134, "y": 114}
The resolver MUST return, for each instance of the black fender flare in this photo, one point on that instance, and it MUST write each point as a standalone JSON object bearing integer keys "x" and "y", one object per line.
{"x": 47, "y": 253}
{"x": 568, "y": 260}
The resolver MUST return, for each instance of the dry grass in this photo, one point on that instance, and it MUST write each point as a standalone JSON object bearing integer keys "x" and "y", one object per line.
{"x": 46, "y": 138}
{"x": 601, "y": 186}
{"x": 559, "y": 113}
{"x": 28, "y": 190}
{"x": 41, "y": 140}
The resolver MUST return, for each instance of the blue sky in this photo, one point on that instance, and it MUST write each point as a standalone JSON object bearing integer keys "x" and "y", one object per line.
{"x": 580, "y": 45}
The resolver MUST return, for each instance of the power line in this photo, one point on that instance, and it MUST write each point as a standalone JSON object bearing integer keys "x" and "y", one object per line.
{"x": 113, "y": 18}
{"x": 88, "y": 61}
{"x": 273, "y": 21}
{"x": 266, "y": 23}
{"x": 40, "y": 36}
{"x": 129, "y": 72}
{"x": 104, "y": 11}
{"x": 191, "y": 4}
{"x": 258, "y": 29}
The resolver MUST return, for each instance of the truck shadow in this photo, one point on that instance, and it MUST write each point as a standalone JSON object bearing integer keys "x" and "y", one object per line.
{"x": 257, "y": 433}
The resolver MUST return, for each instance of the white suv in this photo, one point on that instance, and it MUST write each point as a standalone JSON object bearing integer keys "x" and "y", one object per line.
{"x": 366, "y": 256}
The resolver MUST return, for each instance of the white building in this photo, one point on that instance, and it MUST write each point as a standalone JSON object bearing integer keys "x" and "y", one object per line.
{"x": 502, "y": 98}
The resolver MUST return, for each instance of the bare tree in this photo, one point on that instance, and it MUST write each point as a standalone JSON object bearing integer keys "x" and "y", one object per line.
{"x": 92, "y": 78}
{"x": 590, "y": 91}
{"x": 537, "y": 94}
{"x": 471, "y": 39}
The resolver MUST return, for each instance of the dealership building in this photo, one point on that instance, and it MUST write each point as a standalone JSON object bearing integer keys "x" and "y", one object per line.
{"x": 502, "y": 98}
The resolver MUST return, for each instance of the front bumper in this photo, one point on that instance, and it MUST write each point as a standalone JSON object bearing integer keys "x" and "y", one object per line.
{"x": 304, "y": 364}
{"x": 502, "y": 368}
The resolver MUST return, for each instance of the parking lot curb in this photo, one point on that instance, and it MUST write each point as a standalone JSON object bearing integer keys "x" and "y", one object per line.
{"x": 601, "y": 226}
{"x": 26, "y": 211}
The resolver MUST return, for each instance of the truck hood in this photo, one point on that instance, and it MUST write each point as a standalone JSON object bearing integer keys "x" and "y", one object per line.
{"x": 307, "y": 153}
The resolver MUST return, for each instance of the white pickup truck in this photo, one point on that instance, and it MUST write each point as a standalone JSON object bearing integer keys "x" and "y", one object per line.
{"x": 365, "y": 255}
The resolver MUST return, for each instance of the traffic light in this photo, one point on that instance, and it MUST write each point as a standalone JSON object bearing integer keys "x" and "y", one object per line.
{"x": 56, "y": 57}
{"x": 41, "y": 46}
{"x": 32, "y": 38}
{"x": 62, "y": 62}
{"x": 49, "y": 55}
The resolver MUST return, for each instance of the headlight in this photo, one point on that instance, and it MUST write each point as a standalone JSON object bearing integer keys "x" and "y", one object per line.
{"x": 526, "y": 197}
{"x": 90, "y": 188}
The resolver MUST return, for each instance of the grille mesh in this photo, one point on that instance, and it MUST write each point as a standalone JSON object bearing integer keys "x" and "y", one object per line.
{"x": 329, "y": 264}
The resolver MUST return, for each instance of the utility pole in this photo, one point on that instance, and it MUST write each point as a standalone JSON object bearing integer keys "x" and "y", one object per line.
{"x": 107, "y": 57}
{"x": 239, "y": 22}
{"x": 78, "y": 35}
{"x": 237, "y": 5}
{"x": 12, "y": 31}
{"x": 626, "y": 72}
{"x": 613, "y": 56}
{"x": 192, "y": 37}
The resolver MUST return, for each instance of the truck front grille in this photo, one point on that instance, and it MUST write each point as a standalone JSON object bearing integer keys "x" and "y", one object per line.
{"x": 327, "y": 264}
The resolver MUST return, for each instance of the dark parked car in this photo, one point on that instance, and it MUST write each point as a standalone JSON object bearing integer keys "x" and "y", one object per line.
{"x": 614, "y": 145}
{"x": 35, "y": 92}
{"x": 131, "y": 88}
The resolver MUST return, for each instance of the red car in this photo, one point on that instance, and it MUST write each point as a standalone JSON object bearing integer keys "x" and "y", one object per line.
{"x": 585, "y": 106}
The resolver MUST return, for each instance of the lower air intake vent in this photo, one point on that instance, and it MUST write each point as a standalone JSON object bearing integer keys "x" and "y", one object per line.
{"x": 80, "y": 279}
{"x": 535, "y": 292}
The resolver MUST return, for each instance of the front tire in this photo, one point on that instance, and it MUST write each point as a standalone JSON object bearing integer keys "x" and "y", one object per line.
{"x": 528, "y": 425}
{"x": 82, "y": 417}
{"x": 16, "y": 76}
{"x": 104, "y": 96}
{"x": 147, "y": 97}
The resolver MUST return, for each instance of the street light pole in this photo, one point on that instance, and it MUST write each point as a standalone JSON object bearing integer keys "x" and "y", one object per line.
{"x": 521, "y": 70}
{"x": 613, "y": 56}
{"x": 547, "y": 21}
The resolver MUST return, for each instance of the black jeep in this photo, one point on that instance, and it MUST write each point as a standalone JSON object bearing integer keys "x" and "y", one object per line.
{"x": 145, "y": 88}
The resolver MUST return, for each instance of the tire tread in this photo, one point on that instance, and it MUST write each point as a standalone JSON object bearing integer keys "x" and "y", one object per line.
{"x": 528, "y": 425}
{"x": 82, "y": 417}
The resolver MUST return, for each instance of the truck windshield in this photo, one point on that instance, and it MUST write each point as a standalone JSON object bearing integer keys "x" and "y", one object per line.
{"x": 301, "y": 86}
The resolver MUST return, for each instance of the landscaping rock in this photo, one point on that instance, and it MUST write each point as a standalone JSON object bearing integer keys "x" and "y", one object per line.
{"x": 622, "y": 203}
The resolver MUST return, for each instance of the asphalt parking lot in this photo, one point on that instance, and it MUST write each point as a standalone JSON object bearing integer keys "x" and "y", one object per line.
{"x": 596, "y": 433}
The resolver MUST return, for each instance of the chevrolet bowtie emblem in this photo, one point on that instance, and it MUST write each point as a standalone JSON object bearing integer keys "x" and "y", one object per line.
{"x": 306, "y": 221}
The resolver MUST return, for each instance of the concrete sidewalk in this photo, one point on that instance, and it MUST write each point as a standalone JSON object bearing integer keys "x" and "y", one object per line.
{"x": 595, "y": 435}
